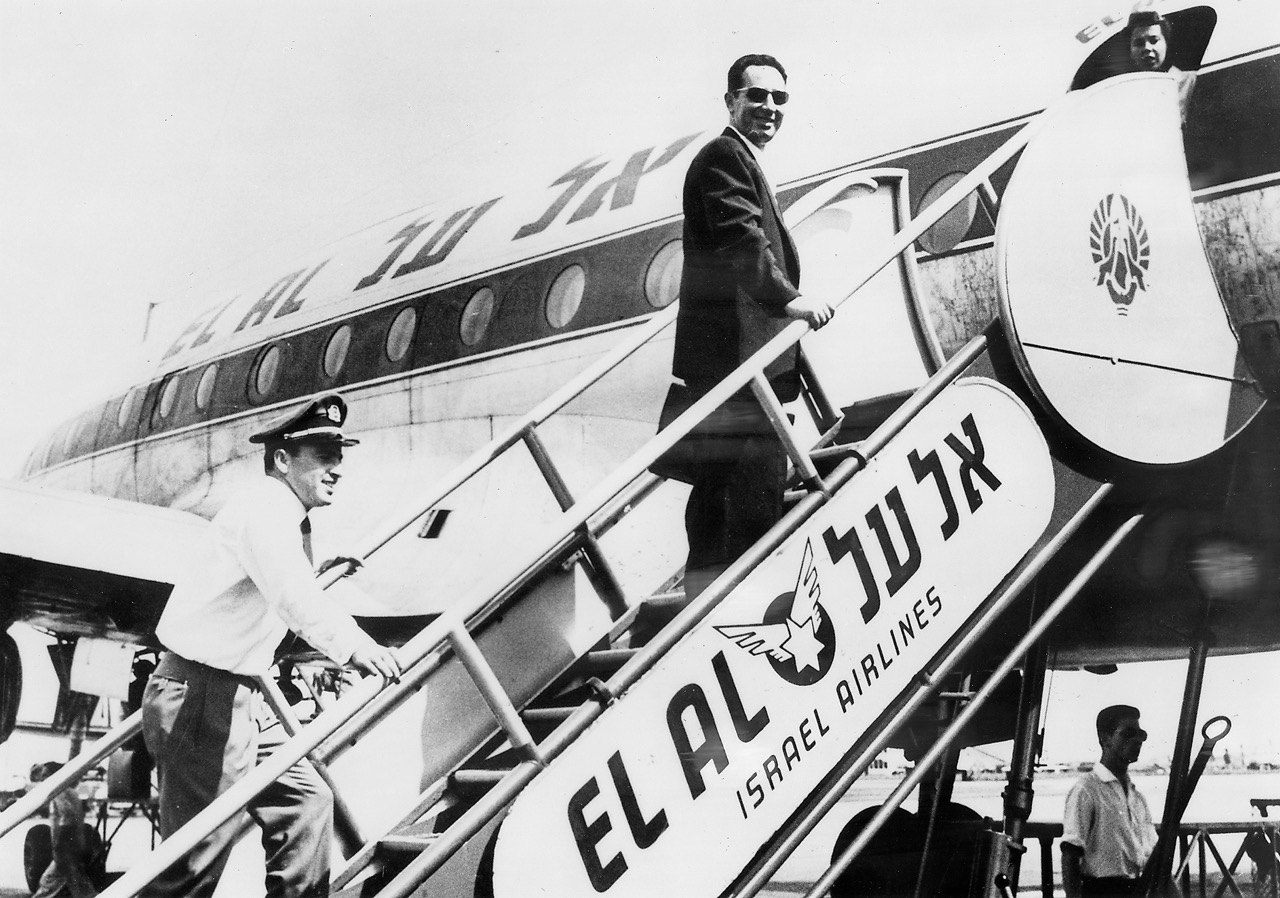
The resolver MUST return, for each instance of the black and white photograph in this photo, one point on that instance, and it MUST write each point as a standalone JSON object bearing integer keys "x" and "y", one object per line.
{"x": 640, "y": 448}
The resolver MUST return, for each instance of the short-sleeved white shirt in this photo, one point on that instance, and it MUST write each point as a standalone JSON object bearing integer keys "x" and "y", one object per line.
{"x": 1112, "y": 825}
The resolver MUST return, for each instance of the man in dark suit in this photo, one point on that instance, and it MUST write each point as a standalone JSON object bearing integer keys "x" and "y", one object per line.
{"x": 739, "y": 288}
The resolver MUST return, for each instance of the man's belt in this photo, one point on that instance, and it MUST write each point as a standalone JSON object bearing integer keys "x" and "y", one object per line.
{"x": 173, "y": 666}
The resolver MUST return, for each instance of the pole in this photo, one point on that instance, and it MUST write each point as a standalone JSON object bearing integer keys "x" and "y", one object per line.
{"x": 1162, "y": 856}
{"x": 1019, "y": 794}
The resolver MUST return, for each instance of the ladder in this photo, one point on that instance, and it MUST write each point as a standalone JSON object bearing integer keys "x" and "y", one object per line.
{"x": 452, "y": 649}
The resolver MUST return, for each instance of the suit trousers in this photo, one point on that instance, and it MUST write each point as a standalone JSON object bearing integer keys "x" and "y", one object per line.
{"x": 200, "y": 725}
{"x": 736, "y": 498}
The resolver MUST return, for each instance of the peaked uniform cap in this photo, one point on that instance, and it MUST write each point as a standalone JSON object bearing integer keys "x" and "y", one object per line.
{"x": 320, "y": 420}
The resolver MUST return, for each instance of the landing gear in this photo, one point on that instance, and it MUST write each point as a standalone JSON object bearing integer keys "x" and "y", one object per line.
{"x": 945, "y": 850}
{"x": 10, "y": 685}
{"x": 895, "y": 861}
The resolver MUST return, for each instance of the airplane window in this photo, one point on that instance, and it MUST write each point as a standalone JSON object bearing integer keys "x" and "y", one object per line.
{"x": 265, "y": 370}
{"x": 127, "y": 407}
{"x": 33, "y": 461}
{"x": 46, "y": 457}
{"x": 565, "y": 295}
{"x": 73, "y": 434}
{"x": 476, "y": 316}
{"x": 662, "y": 280}
{"x": 951, "y": 228}
{"x": 335, "y": 351}
{"x": 204, "y": 389}
{"x": 168, "y": 394}
{"x": 400, "y": 334}
{"x": 46, "y": 452}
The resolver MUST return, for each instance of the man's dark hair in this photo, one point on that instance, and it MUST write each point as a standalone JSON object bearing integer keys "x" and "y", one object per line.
{"x": 1146, "y": 18}
{"x": 1109, "y": 718}
{"x": 743, "y": 63}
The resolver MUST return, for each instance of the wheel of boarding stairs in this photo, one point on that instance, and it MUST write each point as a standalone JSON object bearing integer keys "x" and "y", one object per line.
{"x": 37, "y": 853}
{"x": 889, "y": 865}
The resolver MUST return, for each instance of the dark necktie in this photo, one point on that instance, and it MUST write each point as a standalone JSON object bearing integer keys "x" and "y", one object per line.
{"x": 290, "y": 639}
{"x": 305, "y": 527}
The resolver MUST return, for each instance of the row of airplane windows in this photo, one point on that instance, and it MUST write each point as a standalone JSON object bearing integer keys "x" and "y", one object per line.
{"x": 561, "y": 303}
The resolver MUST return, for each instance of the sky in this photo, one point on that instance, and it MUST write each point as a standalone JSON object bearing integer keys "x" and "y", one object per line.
{"x": 149, "y": 150}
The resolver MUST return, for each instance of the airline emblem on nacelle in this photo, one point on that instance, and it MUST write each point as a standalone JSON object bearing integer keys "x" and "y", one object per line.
{"x": 1161, "y": 380}
{"x": 1121, "y": 249}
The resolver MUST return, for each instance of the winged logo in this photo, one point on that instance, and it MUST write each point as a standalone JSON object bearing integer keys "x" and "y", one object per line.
{"x": 1121, "y": 249}
{"x": 802, "y": 640}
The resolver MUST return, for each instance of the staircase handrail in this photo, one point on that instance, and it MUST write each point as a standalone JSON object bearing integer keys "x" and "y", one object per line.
{"x": 645, "y": 658}
{"x": 43, "y": 793}
{"x": 975, "y": 180}
{"x": 438, "y": 632}
{"x": 953, "y": 730}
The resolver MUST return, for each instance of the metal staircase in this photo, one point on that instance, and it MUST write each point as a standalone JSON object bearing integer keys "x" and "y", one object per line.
{"x": 525, "y": 673}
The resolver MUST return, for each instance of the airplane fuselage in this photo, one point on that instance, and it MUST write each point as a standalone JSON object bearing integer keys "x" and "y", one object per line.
{"x": 442, "y": 324}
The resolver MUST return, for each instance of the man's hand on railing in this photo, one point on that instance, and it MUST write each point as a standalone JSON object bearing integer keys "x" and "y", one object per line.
{"x": 328, "y": 684}
{"x": 353, "y": 564}
{"x": 377, "y": 659}
{"x": 816, "y": 312}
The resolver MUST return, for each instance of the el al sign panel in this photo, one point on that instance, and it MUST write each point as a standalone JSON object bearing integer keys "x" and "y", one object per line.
{"x": 710, "y": 752}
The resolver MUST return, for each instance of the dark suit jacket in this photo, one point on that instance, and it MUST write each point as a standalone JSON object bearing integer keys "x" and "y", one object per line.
{"x": 740, "y": 270}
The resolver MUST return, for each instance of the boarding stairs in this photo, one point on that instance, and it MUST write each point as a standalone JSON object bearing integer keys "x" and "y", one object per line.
{"x": 520, "y": 695}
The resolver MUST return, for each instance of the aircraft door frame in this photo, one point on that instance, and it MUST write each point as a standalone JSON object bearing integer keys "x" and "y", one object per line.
{"x": 901, "y": 319}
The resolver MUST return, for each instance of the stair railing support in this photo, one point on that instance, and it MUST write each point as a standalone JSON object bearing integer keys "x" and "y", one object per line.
{"x": 1028, "y": 640}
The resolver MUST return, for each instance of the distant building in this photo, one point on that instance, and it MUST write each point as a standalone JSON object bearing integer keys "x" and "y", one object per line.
{"x": 890, "y": 762}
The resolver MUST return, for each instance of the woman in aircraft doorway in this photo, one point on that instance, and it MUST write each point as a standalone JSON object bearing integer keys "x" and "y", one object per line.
{"x": 1150, "y": 35}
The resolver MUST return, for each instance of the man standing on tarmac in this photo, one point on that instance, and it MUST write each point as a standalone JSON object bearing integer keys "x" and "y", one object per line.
{"x": 251, "y": 584}
{"x": 739, "y": 288}
{"x": 1107, "y": 831}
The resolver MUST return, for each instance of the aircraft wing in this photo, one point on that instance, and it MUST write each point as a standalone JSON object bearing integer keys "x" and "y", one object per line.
{"x": 89, "y": 565}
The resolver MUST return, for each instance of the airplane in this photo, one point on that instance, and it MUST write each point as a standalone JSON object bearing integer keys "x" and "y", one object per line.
{"x": 443, "y": 323}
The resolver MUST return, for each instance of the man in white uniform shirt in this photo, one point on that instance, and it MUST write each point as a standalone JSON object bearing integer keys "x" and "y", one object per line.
{"x": 1107, "y": 831}
{"x": 252, "y": 583}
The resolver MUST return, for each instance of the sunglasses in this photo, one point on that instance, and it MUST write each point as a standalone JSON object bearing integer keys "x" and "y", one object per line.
{"x": 759, "y": 95}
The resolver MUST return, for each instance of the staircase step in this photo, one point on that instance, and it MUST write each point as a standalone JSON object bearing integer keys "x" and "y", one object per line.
{"x": 605, "y": 662}
{"x": 662, "y": 599}
{"x": 474, "y": 782}
{"x": 545, "y": 718}
{"x": 836, "y": 453}
{"x": 394, "y": 852}
{"x": 406, "y": 846}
